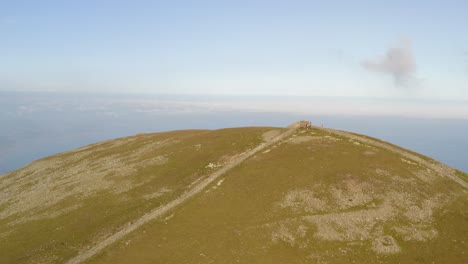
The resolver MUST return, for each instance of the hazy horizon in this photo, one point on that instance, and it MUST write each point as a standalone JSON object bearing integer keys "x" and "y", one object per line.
{"x": 38, "y": 124}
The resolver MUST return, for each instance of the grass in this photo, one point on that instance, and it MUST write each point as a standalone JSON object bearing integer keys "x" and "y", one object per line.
{"x": 242, "y": 214}
{"x": 105, "y": 211}
{"x": 235, "y": 221}
{"x": 462, "y": 175}
{"x": 398, "y": 147}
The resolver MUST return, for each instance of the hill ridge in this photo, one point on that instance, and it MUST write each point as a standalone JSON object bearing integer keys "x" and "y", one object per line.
{"x": 178, "y": 201}
{"x": 247, "y": 193}
{"x": 439, "y": 167}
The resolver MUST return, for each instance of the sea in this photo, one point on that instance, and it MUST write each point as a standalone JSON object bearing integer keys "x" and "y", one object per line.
{"x": 34, "y": 125}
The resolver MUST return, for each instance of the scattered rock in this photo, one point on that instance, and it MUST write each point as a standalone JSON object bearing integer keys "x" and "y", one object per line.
{"x": 385, "y": 245}
{"x": 303, "y": 200}
{"x": 213, "y": 165}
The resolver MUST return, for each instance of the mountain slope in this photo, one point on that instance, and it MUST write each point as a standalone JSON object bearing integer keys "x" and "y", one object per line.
{"x": 315, "y": 196}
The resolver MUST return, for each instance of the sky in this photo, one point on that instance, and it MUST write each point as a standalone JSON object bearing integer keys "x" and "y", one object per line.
{"x": 376, "y": 49}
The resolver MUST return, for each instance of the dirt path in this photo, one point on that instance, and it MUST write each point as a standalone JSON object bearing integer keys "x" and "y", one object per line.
{"x": 171, "y": 205}
{"x": 438, "y": 167}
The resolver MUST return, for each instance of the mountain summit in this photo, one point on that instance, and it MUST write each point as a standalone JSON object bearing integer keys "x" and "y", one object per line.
{"x": 301, "y": 194}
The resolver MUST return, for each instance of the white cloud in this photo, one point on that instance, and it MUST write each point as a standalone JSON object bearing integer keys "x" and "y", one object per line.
{"x": 398, "y": 62}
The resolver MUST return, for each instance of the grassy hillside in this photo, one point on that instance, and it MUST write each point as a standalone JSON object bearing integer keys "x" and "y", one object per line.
{"x": 314, "y": 197}
{"x": 58, "y": 206}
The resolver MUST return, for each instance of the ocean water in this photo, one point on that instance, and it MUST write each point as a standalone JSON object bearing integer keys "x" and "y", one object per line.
{"x": 36, "y": 125}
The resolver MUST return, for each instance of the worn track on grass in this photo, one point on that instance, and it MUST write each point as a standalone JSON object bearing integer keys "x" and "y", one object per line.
{"x": 181, "y": 199}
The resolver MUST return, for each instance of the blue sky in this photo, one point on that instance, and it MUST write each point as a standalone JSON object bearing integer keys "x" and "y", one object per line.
{"x": 390, "y": 49}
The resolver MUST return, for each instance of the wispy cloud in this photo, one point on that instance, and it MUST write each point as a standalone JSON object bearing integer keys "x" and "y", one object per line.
{"x": 398, "y": 62}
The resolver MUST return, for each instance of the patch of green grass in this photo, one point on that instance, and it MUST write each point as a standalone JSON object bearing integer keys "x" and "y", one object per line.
{"x": 397, "y": 147}
{"x": 57, "y": 239}
{"x": 462, "y": 175}
{"x": 234, "y": 221}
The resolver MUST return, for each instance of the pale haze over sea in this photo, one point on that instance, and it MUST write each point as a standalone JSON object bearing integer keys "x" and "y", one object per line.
{"x": 35, "y": 125}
